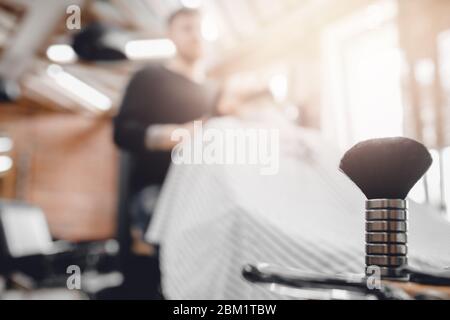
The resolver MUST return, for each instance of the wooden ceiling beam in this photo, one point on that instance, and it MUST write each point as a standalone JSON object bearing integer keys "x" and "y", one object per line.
{"x": 38, "y": 23}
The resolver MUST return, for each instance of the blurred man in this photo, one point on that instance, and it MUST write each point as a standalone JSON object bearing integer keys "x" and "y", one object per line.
{"x": 159, "y": 99}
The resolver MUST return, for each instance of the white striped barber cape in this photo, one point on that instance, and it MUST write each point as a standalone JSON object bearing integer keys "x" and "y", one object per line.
{"x": 211, "y": 220}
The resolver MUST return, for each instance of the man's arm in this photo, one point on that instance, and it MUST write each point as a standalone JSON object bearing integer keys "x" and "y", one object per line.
{"x": 131, "y": 132}
{"x": 158, "y": 137}
{"x": 131, "y": 135}
{"x": 129, "y": 129}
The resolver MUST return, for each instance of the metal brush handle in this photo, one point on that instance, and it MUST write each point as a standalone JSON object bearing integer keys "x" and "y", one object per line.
{"x": 386, "y": 237}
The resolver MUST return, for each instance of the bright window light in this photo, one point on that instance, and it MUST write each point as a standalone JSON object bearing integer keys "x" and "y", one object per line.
{"x": 193, "y": 4}
{"x": 6, "y": 144}
{"x": 61, "y": 53}
{"x": 279, "y": 86}
{"x": 79, "y": 88}
{"x": 5, "y": 164}
{"x": 149, "y": 49}
{"x": 424, "y": 72}
{"x": 444, "y": 58}
{"x": 434, "y": 180}
{"x": 210, "y": 31}
{"x": 379, "y": 69}
{"x": 433, "y": 176}
{"x": 361, "y": 53}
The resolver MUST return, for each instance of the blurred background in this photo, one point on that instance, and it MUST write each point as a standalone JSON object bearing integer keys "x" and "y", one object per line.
{"x": 352, "y": 69}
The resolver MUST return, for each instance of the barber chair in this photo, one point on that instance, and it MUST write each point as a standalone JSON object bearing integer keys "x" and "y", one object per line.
{"x": 141, "y": 275}
{"x": 31, "y": 260}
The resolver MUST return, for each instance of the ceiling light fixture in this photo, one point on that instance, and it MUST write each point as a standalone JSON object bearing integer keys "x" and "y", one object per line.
{"x": 149, "y": 49}
{"x": 61, "y": 53}
{"x": 79, "y": 88}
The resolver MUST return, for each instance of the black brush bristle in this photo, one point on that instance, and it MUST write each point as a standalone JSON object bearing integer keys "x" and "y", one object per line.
{"x": 386, "y": 168}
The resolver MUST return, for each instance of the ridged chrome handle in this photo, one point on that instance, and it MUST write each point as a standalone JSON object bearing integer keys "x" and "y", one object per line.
{"x": 386, "y": 237}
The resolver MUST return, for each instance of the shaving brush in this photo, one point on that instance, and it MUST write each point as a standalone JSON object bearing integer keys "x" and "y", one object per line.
{"x": 385, "y": 170}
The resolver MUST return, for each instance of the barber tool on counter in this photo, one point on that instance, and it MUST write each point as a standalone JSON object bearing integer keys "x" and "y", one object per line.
{"x": 301, "y": 284}
{"x": 385, "y": 170}
{"x": 317, "y": 286}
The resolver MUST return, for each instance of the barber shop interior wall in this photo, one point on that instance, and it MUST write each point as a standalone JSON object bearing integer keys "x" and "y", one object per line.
{"x": 66, "y": 164}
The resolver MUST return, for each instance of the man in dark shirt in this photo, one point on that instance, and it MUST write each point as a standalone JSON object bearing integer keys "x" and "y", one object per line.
{"x": 158, "y": 100}
{"x": 162, "y": 98}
